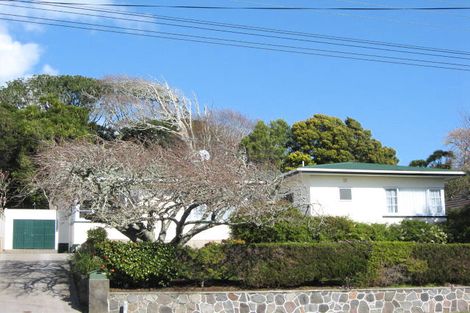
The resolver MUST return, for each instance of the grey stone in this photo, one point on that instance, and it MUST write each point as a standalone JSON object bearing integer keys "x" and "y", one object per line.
{"x": 451, "y": 296}
{"x": 424, "y": 297}
{"x": 165, "y": 309}
{"x": 303, "y": 299}
{"x": 343, "y": 298}
{"x": 194, "y": 298}
{"x": 439, "y": 298}
{"x": 270, "y": 308}
{"x": 354, "y": 304}
{"x": 152, "y": 307}
{"x": 132, "y": 298}
{"x": 210, "y": 298}
{"x": 370, "y": 297}
{"x": 379, "y": 304}
{"x": 416, "y": 309}
{"x": 438, "y": 307}
{"x": 360, "y": 295}
{"x": 244, "y": 308}
{"x": 389, "y": 295}
{"x": 462, "y": 306}
{"x": 396, "y": 303}
{"x": 182, "y": 299}
{"x": 411, "y": 296}
{"x": 400, "y": 296}
{"x": 261, "y": 308}
{"x": 220, "y": 297}
{"x": 269, "y": 298}
{"x": 98, "y": 295}
{"x": 388, "y": 308}
{"x": 346, "y": 307}
{"x": 323, "y": 308}
{"x": 242, "y": 297}
{"x": 279, "y": 299}
{"x": 363, "y": 307}
{"x": 290, "y": 306}
{"x": 257, "y": 298}
{"x": 316, "y": 298}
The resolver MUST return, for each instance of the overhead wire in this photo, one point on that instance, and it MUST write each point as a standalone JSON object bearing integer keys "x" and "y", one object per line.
{"x": 227, "y": 44}
{"x": 254, "y": 28}
{"x": 240, "y": 32}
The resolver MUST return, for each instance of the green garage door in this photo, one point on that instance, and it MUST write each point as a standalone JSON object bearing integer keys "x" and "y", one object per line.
{"x": 33, "y": 234}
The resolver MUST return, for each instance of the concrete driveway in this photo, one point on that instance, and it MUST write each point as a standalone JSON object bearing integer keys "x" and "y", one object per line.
{"x": 35, "y": 283}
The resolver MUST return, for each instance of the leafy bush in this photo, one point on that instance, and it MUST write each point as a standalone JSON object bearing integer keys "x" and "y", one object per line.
{"x": 142, "y": 264}
{"x": 418, "y": 231}
{"x": 83, "y": 262}
{"x": 96, "y": 235}
{"x": 293, "y": 226}
{"x": 356, "y": 263}
{"x": 458, "y": 225}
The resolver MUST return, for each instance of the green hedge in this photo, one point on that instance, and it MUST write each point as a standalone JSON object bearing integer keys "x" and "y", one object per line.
{"x": 138, "y": 264}
{"x": 362, "y": 264}
{"x": 293, "y": 226}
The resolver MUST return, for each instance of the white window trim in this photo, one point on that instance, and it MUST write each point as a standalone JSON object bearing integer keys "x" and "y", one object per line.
{"x": 398, "y": 200}
{"x": 428, "y": 200}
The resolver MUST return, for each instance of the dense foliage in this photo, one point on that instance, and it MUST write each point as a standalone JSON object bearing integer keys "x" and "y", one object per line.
{"x": 267, "y": 265}
{"x": 458, "y": 224}
{"x": 352, "y": 263}
{"x": 328, "y": 139}
{"x": 127, "y": 264}
{"x": 293, "y": 226}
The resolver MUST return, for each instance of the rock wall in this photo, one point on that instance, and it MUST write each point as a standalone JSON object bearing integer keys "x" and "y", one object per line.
{"x": 400, "y": 300}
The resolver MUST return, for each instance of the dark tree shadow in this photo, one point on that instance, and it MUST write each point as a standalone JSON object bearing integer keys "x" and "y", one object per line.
{"x": 21, "y": 278}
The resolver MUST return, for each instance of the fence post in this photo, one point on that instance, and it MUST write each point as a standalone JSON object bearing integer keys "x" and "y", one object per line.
{"x": 98, "y": 292}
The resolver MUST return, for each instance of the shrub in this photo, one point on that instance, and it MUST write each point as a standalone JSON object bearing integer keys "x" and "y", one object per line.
{"x": 363, "y": 264}
{"x": 458, "y": 224}
{"x": 142, "y": 264}
{"x": 96, "y": 235}
{"x": 419, "y": 231}
{"x": 84, "y": 262}
{"x": 293, "y": 226}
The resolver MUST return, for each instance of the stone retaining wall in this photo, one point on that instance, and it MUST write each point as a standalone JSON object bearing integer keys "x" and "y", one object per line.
{"x": 401, "y": 300}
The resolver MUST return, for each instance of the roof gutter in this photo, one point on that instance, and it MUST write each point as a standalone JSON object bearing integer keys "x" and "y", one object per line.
{"x": 377, "y": 172}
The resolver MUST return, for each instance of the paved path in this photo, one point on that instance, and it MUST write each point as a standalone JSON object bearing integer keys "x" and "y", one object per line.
{"x": 35, "y": 283}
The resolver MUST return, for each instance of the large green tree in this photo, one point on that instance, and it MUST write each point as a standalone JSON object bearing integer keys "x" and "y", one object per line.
{"x": 268, "y": 143}
{"x": 37, "y": 110}
{"x": 437, "y": 159}
{"x": 328, "y": 139}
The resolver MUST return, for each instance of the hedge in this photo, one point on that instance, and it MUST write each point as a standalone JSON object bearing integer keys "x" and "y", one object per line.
{"x": 361, "y": 264}
{"x": 293, "y": 226}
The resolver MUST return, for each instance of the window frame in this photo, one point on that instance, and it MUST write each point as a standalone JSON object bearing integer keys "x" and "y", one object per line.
{"x": 396, "y": 198}
{"x": 429, "y": 207}
{"x": 345, "y": 188}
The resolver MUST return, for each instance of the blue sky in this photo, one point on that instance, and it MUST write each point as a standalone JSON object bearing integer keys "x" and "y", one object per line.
{"x": 408, "y": 108}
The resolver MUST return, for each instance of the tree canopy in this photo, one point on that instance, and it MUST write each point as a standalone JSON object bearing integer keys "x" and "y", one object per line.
{"x": 437, "y": 159}
{"x": 327, "y": 139}
{"x": 268, "y": 143}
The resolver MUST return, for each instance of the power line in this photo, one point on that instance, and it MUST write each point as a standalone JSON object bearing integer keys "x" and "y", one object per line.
{"x": 242, "y": 33}
{"x": 244, "y": 42}
{"x": 225, "y": 44}
{"x": 259, "y": 8}
{"x": 255, "y": 28}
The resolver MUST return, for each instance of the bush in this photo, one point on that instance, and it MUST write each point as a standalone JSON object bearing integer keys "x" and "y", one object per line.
{"x": 142, "y": 264}
{"x": 293, "y": 226}
{"x": 96, "y": 235}
{"x": 362, "y": 264}
{"x": 83, "y": 262}
{"x": 458, "y": 225}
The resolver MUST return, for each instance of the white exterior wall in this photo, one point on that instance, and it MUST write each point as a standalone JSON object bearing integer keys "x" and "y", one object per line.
{"x": 2, "y": 232}
{"x": 27, "y": 214}
{"x": 77, "y": 232}
{"x": 369, "y": 203}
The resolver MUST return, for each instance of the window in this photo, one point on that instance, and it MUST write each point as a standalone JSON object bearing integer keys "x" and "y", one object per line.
{"x": 434, "y": 201}
{"x": 392, "y": 200}
{"x": 345, "y": 194}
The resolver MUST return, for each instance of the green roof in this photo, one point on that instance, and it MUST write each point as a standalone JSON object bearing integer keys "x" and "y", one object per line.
{"x": 374, "y": 167}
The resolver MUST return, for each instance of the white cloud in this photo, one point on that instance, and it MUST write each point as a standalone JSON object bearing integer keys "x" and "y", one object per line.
{"x": 16, "y": 58}
{"x": 47, "y": 69}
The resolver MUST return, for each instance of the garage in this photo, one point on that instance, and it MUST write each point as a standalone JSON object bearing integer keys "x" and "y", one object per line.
{"x": 29, "y": 229}
{"x": 33, "y": 234}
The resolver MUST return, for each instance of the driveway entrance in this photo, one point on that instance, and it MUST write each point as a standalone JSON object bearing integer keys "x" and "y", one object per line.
{"x": 35, "y": 283}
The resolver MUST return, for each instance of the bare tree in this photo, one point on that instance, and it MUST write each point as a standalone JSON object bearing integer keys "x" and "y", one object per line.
{"x": 459, "y": 141}
{"x": 144, "y": 191}
{"x": 5, "y": 182}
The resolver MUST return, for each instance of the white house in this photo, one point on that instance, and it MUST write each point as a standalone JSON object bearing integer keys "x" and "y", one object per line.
{"x": 372, "y": 193}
